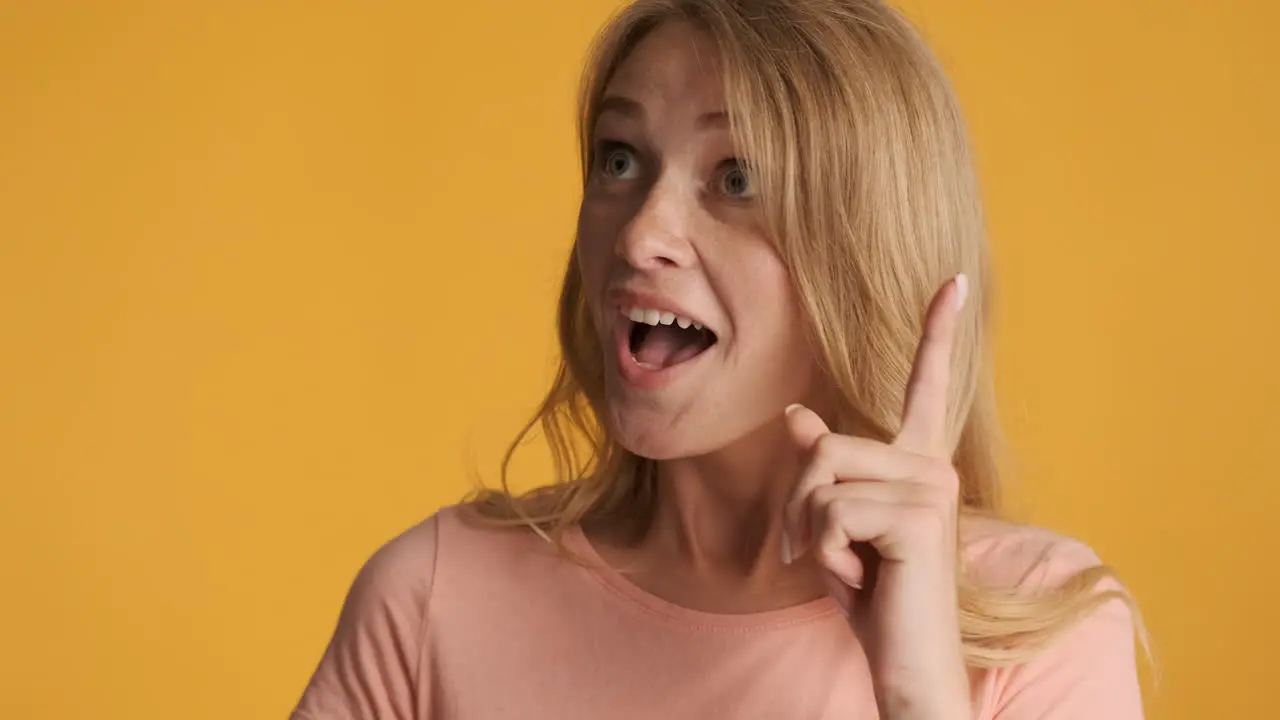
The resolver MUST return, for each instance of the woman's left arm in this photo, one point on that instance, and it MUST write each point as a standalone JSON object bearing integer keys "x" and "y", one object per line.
{"x": 881, "y": 522}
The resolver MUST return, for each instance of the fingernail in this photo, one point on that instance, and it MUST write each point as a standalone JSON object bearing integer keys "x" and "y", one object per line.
{"x": 792, "y": 408}
{"x": 962, "y": 290}
{"x": 786, "y": 548}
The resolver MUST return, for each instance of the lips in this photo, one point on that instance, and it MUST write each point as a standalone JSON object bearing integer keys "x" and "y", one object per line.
{"x": 659, "y": 340}
{"x": 656, "y": 339}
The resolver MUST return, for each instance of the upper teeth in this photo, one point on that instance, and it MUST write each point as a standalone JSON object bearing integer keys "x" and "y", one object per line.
{"x": 658, "y": 317}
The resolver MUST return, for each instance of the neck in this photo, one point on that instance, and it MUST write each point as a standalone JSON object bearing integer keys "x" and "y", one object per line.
{"x": 723, "y": 511}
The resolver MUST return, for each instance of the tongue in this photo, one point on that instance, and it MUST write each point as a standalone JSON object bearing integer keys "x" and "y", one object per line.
{"x": 666, "y": 345}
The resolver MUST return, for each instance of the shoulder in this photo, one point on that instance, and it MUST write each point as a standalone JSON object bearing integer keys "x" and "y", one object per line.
{"x": 1086, "y": 666}
{"x": 398, "y": 587}
{"x": 1056, "y": 572}
{"x": 410, "y": 561}
{"x": 1001, "y": 554}
{"x": 1076, "y": 617}
{"x": 397, "y": 577}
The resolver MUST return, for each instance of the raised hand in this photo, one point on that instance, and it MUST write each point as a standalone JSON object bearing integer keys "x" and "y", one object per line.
{"x": 880, "y": 520}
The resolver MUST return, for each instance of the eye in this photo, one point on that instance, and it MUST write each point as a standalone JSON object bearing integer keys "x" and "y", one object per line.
{"x": 734, "y": 181}
{"x": 618, "y": 161}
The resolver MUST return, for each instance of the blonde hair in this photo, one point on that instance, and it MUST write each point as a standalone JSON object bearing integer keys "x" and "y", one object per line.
{"x": 856, "y": 141}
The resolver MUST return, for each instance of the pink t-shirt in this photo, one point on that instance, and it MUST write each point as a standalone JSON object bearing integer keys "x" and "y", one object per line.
{"x": 453, "y": 621}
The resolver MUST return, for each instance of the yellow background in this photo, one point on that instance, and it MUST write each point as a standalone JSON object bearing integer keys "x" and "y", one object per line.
{"x": 276, "y": 277}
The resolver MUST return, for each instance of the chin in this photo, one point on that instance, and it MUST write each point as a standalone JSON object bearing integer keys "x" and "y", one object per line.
{"x": 650, "y": 434}
{"x": 658, "y": 434}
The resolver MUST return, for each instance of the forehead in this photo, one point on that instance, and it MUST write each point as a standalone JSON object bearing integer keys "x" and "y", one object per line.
{"x": 674, "y": 64}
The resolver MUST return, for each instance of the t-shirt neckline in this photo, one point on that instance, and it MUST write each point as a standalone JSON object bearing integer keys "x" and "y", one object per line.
{"x": 615, "y": 581}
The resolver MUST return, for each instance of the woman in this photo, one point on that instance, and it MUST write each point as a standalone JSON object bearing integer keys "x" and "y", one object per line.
{"x": 773, "y": 424}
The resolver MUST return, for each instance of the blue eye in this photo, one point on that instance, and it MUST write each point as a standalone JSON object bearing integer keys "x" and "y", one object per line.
{"x": 735, "y": 182}
{"x": 618, "y": 162}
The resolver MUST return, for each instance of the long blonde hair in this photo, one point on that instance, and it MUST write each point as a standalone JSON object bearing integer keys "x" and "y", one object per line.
{"x": 856, "y": 140}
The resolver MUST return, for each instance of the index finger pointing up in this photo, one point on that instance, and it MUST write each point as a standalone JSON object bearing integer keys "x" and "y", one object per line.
{"x": 924, "y": 420}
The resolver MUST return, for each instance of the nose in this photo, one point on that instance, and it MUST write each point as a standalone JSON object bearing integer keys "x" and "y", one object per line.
{"x": 659, "y": 234}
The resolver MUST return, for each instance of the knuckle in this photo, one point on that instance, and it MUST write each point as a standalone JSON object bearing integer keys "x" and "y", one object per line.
{"x": 943, "y": 475}
{"x": 826, "y": 447}
{"x": 834, "y": 510}
{"x": 815, "y": 514}
{"x": 935, "y": 495}
{"x": 825, "y": 495}
{"x": 928, "y": 522}
{"x": 829, "y": 555}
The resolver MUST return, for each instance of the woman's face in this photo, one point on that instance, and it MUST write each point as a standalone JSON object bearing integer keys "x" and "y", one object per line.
{"x": 703, "y": 340}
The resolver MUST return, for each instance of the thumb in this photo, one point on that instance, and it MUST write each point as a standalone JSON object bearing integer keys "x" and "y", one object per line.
{"x": 805, "y": 426}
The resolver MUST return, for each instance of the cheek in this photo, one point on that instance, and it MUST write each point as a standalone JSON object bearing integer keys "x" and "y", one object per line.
{"x": 788, "y": 340}
{"x": 594, "y": 250}
{"x": 772, "y": 328}
{"x": 768, "y": 308}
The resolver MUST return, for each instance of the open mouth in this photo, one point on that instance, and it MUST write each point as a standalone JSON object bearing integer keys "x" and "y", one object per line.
{"x": 659, "y": 339}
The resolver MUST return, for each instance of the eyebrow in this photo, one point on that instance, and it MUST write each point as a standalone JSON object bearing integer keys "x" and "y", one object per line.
{"x": 629, "y": 108}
